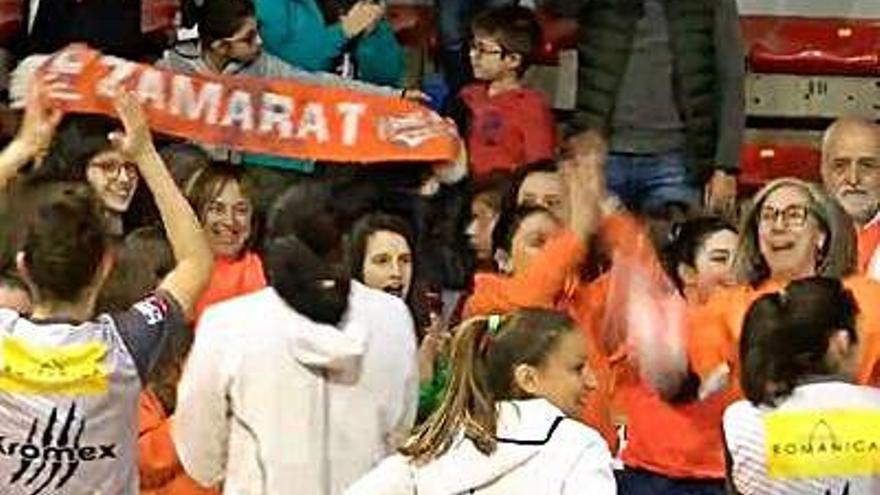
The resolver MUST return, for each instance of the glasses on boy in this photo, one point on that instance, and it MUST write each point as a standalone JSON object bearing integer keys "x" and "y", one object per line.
{"x": 483, "y": 49}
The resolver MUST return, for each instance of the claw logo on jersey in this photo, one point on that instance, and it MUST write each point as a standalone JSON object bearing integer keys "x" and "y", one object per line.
{"x": 52, "y": 453}
{"x": 844, "y": 492}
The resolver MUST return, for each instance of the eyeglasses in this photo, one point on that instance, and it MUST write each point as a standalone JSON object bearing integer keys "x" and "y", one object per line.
{"x": 792, "y": 216}
{"x": 481, "y": 49}
{"x": 114, "y": 168}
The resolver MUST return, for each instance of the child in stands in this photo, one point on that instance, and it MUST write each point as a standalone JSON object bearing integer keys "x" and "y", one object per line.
{"x": 507, "y": 125}
{"x": 505, "y": 424}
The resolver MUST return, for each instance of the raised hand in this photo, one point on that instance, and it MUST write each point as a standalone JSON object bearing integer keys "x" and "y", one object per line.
{"x": 583, "y": 171}
{"x": 720, "y": 193}
{"x": 35, "y": 133}
{"x": 433, "y": 345}
{"x": 40, "y": 119}
{"x": 362, "y": 17}
{"x": 136, "y": 141}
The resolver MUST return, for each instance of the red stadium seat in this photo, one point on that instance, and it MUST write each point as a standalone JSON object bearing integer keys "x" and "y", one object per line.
{"x": 803, "y": 46}
{"x": 764, "y": 161}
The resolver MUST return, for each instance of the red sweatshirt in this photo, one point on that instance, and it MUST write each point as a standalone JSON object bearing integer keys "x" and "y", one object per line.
{"x": 507, "y": 130}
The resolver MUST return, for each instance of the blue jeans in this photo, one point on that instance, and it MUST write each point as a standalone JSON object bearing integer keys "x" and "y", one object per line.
{"x": 639, "y": 482}
{"x": 652, "y": 183}
{"x": 453, "y": 23}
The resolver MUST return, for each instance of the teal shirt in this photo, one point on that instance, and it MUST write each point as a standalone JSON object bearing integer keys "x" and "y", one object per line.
{"x": 295, "y": 31}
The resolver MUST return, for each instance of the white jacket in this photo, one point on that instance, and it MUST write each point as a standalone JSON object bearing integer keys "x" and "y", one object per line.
{"x": 272, "y": 403}
{"x": 540, "y": 452}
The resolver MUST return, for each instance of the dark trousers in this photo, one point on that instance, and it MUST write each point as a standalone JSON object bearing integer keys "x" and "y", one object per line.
{"x": 640, "y": 482}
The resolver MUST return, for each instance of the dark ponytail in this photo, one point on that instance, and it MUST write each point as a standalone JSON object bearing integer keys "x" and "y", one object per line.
{"x": 785, "y": 336}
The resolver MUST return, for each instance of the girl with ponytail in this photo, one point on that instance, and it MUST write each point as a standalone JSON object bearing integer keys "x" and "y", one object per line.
{"x": 504, "y": 426}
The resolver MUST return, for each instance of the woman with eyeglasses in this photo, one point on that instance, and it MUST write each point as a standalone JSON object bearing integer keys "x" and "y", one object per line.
{"x": 81, "y": 151}
{"x": 792, "y": 231}
{"x": 70, "y": 378}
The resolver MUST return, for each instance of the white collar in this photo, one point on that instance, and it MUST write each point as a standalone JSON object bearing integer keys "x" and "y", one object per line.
{"x": 524, "y": 427}
{"x": 527, "y": 421}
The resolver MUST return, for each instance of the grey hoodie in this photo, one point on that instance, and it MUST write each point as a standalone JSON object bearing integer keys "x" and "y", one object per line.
{"x": 186, "y": 57}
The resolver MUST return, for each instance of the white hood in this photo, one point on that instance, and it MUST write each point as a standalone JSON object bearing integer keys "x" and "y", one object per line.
{"x": 524, "y": 427}
{"x": 539, "y": 451}
{"x": 336, "y": 349}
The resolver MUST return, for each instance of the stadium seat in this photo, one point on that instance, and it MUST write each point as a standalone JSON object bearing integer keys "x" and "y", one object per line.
{"x": 763, "y": 161}
{"x": 802, "y": 46}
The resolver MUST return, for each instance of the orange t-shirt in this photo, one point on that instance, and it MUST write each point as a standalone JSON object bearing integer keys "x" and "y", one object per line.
{"x": 160, "y": 469}
{"x": 715, "y": 329}
{"x": 868, "y": 241}
{"x": 544, "y": 287}
{"x": 232, "y": 278}
{"x": 551, "y": 281}
{"x": 675, "y": 440}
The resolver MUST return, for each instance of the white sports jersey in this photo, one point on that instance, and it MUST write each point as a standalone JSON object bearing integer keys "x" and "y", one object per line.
{"x": 822, "y": 440}
{"x": 69, "y": 396}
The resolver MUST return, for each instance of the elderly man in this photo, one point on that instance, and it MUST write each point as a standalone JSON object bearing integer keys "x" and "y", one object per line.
{"x": 851, "y": 173}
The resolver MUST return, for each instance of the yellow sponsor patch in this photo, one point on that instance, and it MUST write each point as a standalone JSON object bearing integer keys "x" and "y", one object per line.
{"x": 76, "y": 369}
{"x": 812, "y": 444}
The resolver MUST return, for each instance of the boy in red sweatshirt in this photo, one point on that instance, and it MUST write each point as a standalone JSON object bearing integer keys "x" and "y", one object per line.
{"x": 506, "y": 124}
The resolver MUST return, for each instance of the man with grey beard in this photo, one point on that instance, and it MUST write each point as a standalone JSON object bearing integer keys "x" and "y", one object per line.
{"x": 851, "y": 173}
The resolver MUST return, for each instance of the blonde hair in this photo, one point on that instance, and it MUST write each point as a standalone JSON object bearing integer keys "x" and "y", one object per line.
{"x": 838, "y": 254}
{"x": 484, "y": 356}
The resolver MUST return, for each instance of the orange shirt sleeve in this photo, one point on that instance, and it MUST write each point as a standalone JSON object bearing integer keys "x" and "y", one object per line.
{"x": 868, "y": 240}
{"x": 539, "y": 285}
{"x": 157, "y": 459}
{"x": 867, "y": 295}
{"x": 710, "y": 343}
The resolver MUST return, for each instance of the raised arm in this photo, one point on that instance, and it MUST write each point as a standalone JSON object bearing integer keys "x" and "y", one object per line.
{"x": 194, "y": 260}
{"x": 542, "y": 282}
{"x": 35, "y": 134}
